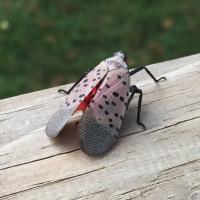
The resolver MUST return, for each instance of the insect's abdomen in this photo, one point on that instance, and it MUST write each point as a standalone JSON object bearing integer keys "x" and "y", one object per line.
{"x": 95, "y": 138}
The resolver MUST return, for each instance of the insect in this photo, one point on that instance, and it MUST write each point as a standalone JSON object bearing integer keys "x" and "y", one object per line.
{"x": 103, "y": 94}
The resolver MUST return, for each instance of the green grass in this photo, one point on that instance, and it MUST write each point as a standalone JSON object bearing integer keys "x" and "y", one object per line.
{"x": 44, "y": 43}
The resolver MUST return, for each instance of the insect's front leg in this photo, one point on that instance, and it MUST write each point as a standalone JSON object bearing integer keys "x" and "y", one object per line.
{"x": 75, "y": 84}
{"x": 134, "y": 71}
{"x": 133, "y": 90}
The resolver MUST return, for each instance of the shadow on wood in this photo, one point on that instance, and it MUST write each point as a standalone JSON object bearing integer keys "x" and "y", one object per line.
{"x": 67, "y": 136}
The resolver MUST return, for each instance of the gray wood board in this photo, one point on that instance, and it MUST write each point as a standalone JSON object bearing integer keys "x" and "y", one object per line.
{"x": 162, "y": 162}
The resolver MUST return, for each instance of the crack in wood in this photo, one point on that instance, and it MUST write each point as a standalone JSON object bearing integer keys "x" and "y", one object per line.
{"x": 90, "y": 195}
{"x": 40, "y": 159}
{"x": 181, "y": 165}
{"x": 5, "y": 154}
{"x": 47, "y": 183}
{"x": 146, "y": 188}
{"x": 171, "y": 125}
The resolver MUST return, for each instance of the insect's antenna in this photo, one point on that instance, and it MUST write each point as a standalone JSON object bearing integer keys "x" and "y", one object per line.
{"x": 125, "y": 58}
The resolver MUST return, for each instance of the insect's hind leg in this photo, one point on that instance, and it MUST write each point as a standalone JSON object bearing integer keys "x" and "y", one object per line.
{"x": 133, "y": 90}
{"x": 63, "y": 91}
{"x": 134, "y": 71}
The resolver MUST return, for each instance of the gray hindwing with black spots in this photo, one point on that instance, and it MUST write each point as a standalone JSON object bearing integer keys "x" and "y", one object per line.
{"x": 95, "y": 137}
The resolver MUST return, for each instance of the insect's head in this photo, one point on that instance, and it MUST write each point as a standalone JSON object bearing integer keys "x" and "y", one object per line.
{"x": 121, "y": 54}
{"x": 121, "y": 58}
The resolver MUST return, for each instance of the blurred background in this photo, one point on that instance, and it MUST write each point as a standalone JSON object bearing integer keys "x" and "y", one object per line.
{"x": 45, "y": 43}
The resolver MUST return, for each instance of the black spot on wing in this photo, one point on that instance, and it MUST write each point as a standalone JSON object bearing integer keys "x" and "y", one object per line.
{"x": 85, "y": 85}
{"x": 106, "y": 112}
{"x": 85, "y": 80}
{"x": 116, "y": 115}
{"x": 100, "y": 106}
{"x": 121, "y": 99}
{"x": 119, "y": 77}
{"x": 110, "y": 120}
{"x": 113, "y": 103}
{"x": 104, "y": 96}
{"x": 108, "y": 86}
{"x": 124, "y": 82}
{"x": 107, "y": 102}
{"x": 82, "y": 95}
{"x": 116, "y": 94}
{"x": 111, "y": 125}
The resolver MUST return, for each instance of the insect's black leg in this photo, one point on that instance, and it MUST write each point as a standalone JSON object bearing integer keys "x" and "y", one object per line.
{"x": 139, "y": 108}
{"x": 134, "y": 71}
{"x": 62, "y": 90}
{"x": 133, "y": 90}
{"x": 153, "y": 77}
{"x": 75, "y": 84}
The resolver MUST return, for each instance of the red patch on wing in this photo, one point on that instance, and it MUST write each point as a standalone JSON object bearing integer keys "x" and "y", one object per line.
{"x": 88, "y": 99}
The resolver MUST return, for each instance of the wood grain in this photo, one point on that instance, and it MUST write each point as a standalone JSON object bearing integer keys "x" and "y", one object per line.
{"x": 160, "y": 163}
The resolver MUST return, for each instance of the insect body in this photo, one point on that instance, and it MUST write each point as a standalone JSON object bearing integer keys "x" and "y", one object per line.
{"x": 103, "y": 94}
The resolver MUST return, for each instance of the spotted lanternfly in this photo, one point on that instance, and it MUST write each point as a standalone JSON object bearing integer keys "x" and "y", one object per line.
{"x": 103, "y": 94}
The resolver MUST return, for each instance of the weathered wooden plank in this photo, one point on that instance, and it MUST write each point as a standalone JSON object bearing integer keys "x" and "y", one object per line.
{"x": 141, "y": 166}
